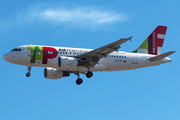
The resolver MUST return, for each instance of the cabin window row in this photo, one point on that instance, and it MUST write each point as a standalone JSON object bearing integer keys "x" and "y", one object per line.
{"x": 57, "y": 52}
{"x": 69, "y": 53}
{"x": 116, "y": 56}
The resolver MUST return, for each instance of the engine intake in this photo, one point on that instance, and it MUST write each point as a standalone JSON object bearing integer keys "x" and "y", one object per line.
{"x": 51, "y": 73}
{"x": 68, "y": 63}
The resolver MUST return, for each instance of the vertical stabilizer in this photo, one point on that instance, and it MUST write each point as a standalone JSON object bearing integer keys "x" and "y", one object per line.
{"x": 153, "y": 44}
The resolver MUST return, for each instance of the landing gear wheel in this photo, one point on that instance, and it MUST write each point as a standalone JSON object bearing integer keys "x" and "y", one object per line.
{"x": 28, "y": 74}
{"x": 89, "y": 74}
{"x": 79, "y": 81}
{"x": 29, "y": 69}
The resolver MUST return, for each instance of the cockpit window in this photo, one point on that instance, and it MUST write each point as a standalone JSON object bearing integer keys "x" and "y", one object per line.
{"x": 12, "y": 50}
{"x": 16, "y": 49}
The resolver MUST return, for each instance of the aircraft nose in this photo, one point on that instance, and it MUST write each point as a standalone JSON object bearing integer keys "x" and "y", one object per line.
{"x": 6, "y": 57}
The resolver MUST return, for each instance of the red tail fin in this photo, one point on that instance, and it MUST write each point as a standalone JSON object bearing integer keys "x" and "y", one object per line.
{"x": 153, "y": 44}
{"x": 156, "y": 39}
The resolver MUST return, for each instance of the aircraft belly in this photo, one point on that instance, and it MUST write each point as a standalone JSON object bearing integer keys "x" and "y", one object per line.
{"x": 113, "y": 64}
{"x": 97, "y": 67}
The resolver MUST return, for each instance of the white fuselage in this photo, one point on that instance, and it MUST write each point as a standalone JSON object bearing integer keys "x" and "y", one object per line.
{"x": 115, "y": 61}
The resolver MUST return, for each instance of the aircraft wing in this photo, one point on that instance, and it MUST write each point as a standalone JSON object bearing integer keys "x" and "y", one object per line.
{"x": 95, "y": 55}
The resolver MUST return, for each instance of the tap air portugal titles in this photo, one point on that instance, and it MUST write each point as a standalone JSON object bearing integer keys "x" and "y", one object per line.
{"x": 62, "y": 61}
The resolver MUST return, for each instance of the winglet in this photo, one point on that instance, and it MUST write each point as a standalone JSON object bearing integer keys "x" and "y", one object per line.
{"x": 130, "y": 38}
{"x": 159, "y": 57}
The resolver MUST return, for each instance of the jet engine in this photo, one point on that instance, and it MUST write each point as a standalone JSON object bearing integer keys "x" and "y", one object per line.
{"x": 51, "y": 73}
{"x": 68, "y": 63}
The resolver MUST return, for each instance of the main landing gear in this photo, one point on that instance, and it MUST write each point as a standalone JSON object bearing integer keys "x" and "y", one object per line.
{"x": 89, "y": 74}
{"x": 79, "y": 80}
{"x": 29, "y": 69}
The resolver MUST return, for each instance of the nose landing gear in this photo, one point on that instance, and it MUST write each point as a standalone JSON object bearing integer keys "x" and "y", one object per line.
{"x": 29, "y": 69}
{"x": 28, "y": 74}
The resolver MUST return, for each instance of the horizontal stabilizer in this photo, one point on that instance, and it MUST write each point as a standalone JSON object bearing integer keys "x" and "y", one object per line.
{"x": 159, "y": 57}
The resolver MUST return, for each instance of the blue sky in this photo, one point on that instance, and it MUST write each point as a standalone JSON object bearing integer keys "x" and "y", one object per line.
{"x": 146, "y": 93}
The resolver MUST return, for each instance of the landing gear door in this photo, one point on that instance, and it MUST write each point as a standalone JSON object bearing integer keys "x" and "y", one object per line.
{"x": 134, "y": 59}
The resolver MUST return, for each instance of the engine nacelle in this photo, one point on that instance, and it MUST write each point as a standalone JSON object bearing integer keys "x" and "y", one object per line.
{"x": 51, "y": 73}
{"x": 67, "y": 63}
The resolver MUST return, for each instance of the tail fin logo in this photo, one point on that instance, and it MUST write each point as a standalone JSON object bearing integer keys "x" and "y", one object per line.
{"x": 153, "y": 44}
{"x": 153, "y": 41}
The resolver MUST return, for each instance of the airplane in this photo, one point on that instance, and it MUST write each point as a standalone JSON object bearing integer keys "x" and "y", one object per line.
{"x": 62, "y": 61}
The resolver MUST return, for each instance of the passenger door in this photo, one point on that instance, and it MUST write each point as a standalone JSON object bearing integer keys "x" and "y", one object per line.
{"x": 134, "y": 58}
